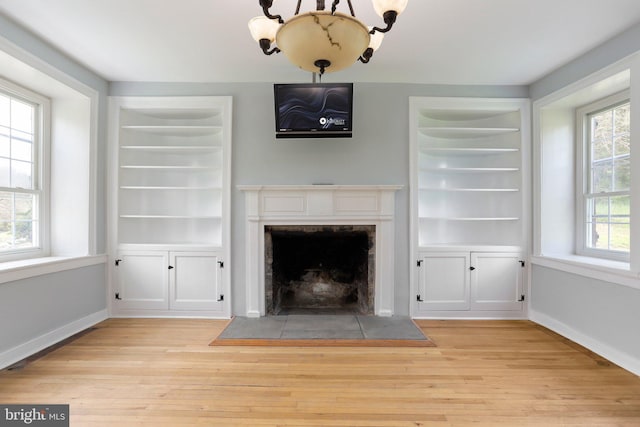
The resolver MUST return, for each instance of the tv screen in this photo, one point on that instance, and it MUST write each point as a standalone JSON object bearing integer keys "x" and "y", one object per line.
{"x": 313, "y": 110}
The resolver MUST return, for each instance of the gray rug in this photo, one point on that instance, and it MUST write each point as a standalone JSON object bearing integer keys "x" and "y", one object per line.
{"x": 322, "y": 327}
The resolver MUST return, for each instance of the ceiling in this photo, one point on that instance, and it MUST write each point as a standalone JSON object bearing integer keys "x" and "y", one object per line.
{"x": 458, "y": 42}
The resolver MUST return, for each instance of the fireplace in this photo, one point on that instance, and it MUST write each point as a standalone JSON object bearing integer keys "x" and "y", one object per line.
{"x": 319, "y": 269}
{"x": 320, "y": 212}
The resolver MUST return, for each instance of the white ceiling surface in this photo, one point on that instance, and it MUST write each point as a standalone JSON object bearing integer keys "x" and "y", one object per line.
{"x": 494, "y": 42}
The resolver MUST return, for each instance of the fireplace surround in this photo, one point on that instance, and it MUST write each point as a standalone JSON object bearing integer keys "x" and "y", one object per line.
{"x": 316, "y": 206}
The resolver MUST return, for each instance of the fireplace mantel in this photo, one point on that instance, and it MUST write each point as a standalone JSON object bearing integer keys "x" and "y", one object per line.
{"x": 319, "y": 205}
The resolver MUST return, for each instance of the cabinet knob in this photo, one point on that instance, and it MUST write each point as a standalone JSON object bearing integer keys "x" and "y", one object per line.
{"x": 472, "y": 268}
{"x": 171, "y": 267}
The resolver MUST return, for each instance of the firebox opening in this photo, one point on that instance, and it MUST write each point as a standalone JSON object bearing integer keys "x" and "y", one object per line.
{"x": 319, "y": 269}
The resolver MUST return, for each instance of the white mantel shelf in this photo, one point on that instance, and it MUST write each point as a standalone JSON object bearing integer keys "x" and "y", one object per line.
{"x": 320, "y": 205}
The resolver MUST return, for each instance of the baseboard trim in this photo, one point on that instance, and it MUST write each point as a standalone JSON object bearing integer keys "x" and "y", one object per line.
{"x": 22, "y": 351}
{"x": 612, "y": 354}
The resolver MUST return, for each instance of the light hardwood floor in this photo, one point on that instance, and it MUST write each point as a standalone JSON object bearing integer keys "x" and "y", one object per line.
{"x": 161, "y": 372}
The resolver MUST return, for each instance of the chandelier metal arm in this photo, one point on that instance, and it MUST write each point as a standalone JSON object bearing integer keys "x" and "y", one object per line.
{"x": 266, "y": 5}
{"x": 366, "y": 56}
{"x": 334, "y": 6}
{"x": 265, "y": 44}
{"x": 389, "y": 19}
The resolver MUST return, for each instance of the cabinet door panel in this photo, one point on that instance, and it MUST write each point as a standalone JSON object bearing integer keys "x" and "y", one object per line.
{"x": 444, "y": 281}
{"x": 496, "y": 281}
{"x": 142, "y": 280}
{"x": 195, "y": 281}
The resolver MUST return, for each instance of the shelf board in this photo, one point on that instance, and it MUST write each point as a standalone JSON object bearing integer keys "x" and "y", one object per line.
{"x": 175, "y": 113}
{"x": 472, "y": 218}
{"x": 470, "y": 170}
{"x": 174, "y": 129}
{"x": 488, "y": 190}
{"x": 171, "y": 216}
{"x": 468, "y": 150}
{"x": 446, "y": 114}
{"x": 166, "y": 167}
{"x": 145, "y": 187}
{"x": 464, "y": 132}
{"x": 178, "y": 148}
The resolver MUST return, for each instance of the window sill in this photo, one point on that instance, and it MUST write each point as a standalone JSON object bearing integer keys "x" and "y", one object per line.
{"x": 596, "y": 268}
{"x": 23, "y": 269}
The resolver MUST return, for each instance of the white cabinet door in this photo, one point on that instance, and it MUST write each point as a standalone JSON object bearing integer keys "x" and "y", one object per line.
{"x": 196, "y": 281}
{"x": 444, "y": 281}
{"x": 496, "y": 281}
{"x": 142, "y": 280}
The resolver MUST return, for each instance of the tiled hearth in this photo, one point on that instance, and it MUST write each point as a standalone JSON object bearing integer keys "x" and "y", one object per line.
{"x": 321, "y": 205}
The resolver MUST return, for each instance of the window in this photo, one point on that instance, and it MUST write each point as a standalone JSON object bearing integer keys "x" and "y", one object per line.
{"x": 21, "y": 194}
{"x": 604, "y": 226}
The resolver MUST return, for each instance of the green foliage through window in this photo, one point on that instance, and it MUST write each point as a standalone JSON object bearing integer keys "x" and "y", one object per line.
{"x": 608, "y": 202}
{"x": 18, "y": 192}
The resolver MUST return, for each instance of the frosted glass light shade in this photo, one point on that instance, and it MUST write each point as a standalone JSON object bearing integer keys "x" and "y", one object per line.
{"x": 375, "y": 39}
{"x": 382, "y": 6}
{"x": 338, "y": 38}
{"x": 262, "y": 27}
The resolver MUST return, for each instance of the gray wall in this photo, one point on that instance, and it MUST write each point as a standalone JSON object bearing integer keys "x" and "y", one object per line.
{"x": 378, "y": 153}
{"x": 32, "y": 307}
{"x": 602, "y": 312}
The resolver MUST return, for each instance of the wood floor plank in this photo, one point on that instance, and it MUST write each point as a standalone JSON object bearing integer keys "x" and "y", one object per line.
{"x": 162, "y": 372}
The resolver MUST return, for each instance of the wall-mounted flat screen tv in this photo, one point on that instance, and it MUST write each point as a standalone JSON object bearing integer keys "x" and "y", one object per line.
{"x": 313, "y": 110}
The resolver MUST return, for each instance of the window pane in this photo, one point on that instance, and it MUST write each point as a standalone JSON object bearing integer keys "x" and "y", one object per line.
{"x": 6, "y": 220}
{"x": 620, "y": 208}
{"x": 21, "y": 149}
{"x": 601, "y": 178}
{"x": 24, "y": 234}
{"x": 21, "y": 116}
{"x": 4, "y": 111}
{"x": 5, "y": 172}
{"x": 620, "y": 237}
{"x": 622, "y": 119}
{"x": 17, "y": 221}
{"x": 622, "y": 171}
{"x": 6, "y": 235}
{"x": 622, "y": 145}
{"x": 24, "y": 204}
{"x": 600, "y": 238}
{"x": 602, "y": 126}
{"x": 600, "y": 210}
{"x": 21, "y": 174}
{"x": 4, "y": 142}
{"x": 602, "y": 149}
{"x": 607, "y": 223}
{"x": 6, "y": 206}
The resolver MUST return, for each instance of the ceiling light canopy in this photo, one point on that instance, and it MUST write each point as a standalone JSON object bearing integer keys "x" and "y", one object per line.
{"x": 321, "y": 40}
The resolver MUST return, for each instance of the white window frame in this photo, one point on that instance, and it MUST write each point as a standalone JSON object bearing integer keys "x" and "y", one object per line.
{"x": 42, "y": 134}
{"x": 583, "y": 170}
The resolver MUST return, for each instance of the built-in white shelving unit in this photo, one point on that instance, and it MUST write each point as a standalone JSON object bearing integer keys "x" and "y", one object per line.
{"x": 171, "y": 170}
{"x": 468, "y": 184}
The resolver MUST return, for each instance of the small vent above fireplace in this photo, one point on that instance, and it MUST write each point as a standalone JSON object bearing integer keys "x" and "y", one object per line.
{"x": 319, "y": 269}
